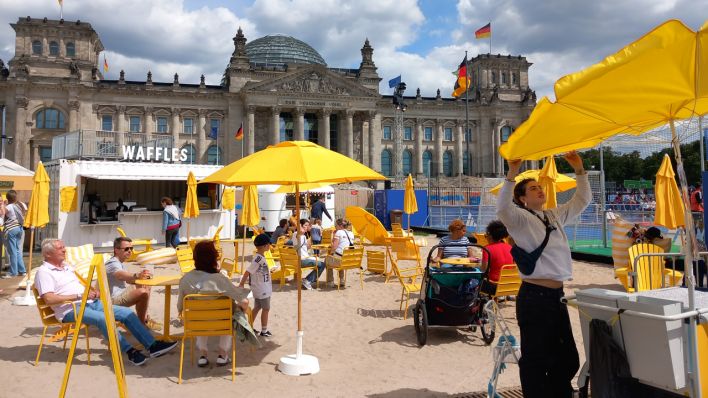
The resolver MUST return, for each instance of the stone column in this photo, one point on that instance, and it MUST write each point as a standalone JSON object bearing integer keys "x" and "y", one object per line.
{"x": 299, "y": 116}
{"x": 74, "y": 115}
{"x": 120, "y": 128}
{"x": 202, "y": 144}
{"x": 275, "y": 125}
{"x": 368, "y": 140}
{"x": 149, "y": 126}
{"x": 459, "y": 149}
{"x": 22, "y": 136}
{"x": 438, "y": 147}
{"x": 498, "y": 161}
{"x": 250, "y": 132}
{"x": 418, "y": 166}
{"x": 375, "y": 141}
{"x": 175, "y": 128}
{"x": 349, "y": 133}
{"x": 323, "y": 127}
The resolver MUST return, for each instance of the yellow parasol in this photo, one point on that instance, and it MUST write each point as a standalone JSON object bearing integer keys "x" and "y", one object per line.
{"x": 367, "y": 225}
{"x": 250, "y": 214}
{"x": 547, "y": 180}
{"x": 669, "y": 206}
{"x": 303, "y": 187}
{"x": 191, "y": 207}
{"x": 410, "y": 204}
{"x": 294, "y": 163}
{"x": 563, "y": 182}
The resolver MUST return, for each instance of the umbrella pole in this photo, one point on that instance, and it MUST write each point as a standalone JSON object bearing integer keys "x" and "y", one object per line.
{"x": 27, "y": 299}
{"x": 691, "y": 246}
{"x": 299, "y": 269}
{"x": 243, "y": 248}
{"x": 188, "y": 230}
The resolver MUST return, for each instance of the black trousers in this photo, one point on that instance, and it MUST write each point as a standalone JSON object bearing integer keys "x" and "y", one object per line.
{"x": 549, "y": 358}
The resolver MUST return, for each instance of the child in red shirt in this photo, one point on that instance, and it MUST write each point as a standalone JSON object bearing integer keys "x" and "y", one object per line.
{"x": 498, "y": 249}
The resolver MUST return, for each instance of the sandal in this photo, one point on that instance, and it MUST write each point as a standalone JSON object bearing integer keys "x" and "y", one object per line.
{"x": 221, "y": 361}
{"x": 203, "y": 362}
{"x": 153, "y": 325}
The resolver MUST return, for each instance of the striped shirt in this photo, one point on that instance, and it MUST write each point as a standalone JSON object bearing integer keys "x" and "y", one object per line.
{"x": 454, "y": 251}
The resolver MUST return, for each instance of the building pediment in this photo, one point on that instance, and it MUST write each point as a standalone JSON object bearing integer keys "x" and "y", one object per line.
{"x": 311, "y": 80}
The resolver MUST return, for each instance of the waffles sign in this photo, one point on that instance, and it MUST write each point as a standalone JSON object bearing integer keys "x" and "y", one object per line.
{"x": 152, "y": 153}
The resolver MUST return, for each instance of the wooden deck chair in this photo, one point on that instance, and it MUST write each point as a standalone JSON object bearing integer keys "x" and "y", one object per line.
{"x": 408, "y": 278}
{"x": 288, "y": 265}
{"x": 650, "y": 272}
{"x": 481, "y": 239}
{"x": 376, "y": 262}
{"x": 145, "y": 242}
{"x": 46, "y": 314}
{"x": 80, "y": 258}
{"x": 351, "y": 259}
{"x": 509, "y": 281}
{"x": 397, "y": 230}
{"x": 207, "y": 315}
{"x": 405, "y": 248}
{"x": 620, "y": 243}
{"x": 185, "y": 258}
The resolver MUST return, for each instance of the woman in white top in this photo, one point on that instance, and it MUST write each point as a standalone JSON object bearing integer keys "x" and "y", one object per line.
{"x": 342, "y": 239}
{"x": 549, "y": 358}
{"x": 306, "y": 260}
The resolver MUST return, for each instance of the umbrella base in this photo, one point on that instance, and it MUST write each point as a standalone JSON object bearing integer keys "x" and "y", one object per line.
{"x": 26, "y": 300}
{"x": 299, "y": 364}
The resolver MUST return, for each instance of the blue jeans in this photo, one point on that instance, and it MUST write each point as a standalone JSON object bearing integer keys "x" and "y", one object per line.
{"x": 13, "y": 238}
{"x": 93, "y": 315}
{"x": 312, "y": 276}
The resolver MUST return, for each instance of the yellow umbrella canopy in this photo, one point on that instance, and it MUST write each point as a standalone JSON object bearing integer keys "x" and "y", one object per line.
{"x": 659, "y": 78}
{"x": 191, "y": 208}
{"x": 38, "y": 209}
{"x": 367, "y": 225}
{"x": 547, "y": 180}
{"x": 669, "y": 206}
{"x": 250, "y": 214}
{"x": 302, "y": 187}
{"x": 563, "y": 182}
{"x": 410, "y": 204}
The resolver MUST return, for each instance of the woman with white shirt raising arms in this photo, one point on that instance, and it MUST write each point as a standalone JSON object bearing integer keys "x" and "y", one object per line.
{"x": 549, "y": 357}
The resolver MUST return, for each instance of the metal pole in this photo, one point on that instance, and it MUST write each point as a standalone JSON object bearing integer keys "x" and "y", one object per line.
{"x": 701, "y": 140}
{"x": 3, "y": 136}
{"x": 602, "y": 197}
{"x": 468, "y": 136}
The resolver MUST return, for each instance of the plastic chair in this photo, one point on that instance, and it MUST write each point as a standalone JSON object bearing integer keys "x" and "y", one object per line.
{"x": 46, "y": 314}
{"x": 207, "y": 315}
{"x": 351, "y": 259}
{"x": 408, "y": 278}
{"x": 289, "y": 264}
{"x": 649, "y": 271}
{"x": 185, "y": 258}
{"x": 376, "y": 262}
{"x": 136, "y": 242}
{"x": 481, "y": 238}
{"x": 326, "y": 243}
{"x": 509, "y": 281}
{"x": 397, "y": 230}
{"x": 405, "y": 248}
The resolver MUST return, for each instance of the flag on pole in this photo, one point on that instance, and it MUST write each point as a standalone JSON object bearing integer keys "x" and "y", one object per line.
{"x": 105, "y": 64}
{"x": 484, "y": 32}
{"x": 394, "y": 82}
{"x": 463, "y": 80}
{"x": 239, "y": 133}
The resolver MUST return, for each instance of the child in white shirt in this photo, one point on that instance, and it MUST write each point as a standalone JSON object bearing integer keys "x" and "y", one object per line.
{"x": 258, "y": 276}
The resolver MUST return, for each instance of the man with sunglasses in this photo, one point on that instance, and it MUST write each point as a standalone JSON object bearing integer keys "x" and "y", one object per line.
{"x": 124, "y": 291}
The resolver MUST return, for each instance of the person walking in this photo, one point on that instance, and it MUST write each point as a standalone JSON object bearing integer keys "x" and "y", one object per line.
{"x": 171, "y": 222}
{"x": 14, "y": 219}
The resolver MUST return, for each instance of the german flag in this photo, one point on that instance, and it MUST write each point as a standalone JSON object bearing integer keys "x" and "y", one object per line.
{"x": 484, "y": 32}
{"x": 463, "y": 80}
{"x": 239, "y": 133}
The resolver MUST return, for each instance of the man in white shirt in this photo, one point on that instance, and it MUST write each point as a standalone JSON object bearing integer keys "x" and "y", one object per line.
{"x": 58, "y": 285}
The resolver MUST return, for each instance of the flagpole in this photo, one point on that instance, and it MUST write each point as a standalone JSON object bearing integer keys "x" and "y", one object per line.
{"x": 490, "y": 37}
{"x": 61, "y": 10}
{"x": 467, "y": 135}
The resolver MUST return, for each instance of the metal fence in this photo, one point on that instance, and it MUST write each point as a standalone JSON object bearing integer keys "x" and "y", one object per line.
{"x": 97, "y": 144}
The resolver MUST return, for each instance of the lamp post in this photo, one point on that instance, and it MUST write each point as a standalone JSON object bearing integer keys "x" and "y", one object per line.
{"x": 400, "y": 107}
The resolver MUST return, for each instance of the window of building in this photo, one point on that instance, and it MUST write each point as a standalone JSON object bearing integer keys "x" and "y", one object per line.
{"x": 188, "y": 125}
{"x": 190, "y": 153}
{"x": 448, "y": 134}
{"x": 45, "y": 153}
{"x": 514, "y": 78}
{"x": 408, "y": 133}
{"x": 333, "y": 123}
{"x": 311, "y": 130}
{"x": 70, "y": 49}
{"x": 50, "y": 118}
{"x": 107, "y": 122}
{"x": 466, "y": 163}
{"x": 53, "y": 48}
{"x": 505, "y": 133}
{"x": 134, "y": 124}
{"x": 494, "y": 77}
{"x": 447, "y": 164}
{"x": 214, "y": 127}
{"x": 468, "y": 135}
{"x": 162, "y": 124}
{"x": 407, "y": 162}
{"x": 37, "y": 47}
{"x": 386, "y": 163}
{"x": 427, "y": 162}
{"x": 428, "y": 134}
{"x": 286, "y": 127}
{"x": 387, "y": 132}
{"x": 504, "y": 78}
{"x": 214, "y": 155}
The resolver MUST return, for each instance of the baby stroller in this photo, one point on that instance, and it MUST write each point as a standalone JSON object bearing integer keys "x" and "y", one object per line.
{"x": 449, "y": 296}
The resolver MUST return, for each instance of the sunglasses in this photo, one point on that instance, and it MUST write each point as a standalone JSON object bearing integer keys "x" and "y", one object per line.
{"x": 126, "y": 249}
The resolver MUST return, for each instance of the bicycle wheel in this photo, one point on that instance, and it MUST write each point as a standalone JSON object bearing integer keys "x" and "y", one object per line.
{"x": 420, "y": 319}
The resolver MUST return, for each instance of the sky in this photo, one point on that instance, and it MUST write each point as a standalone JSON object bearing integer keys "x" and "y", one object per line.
{"x": 422, "y": 40}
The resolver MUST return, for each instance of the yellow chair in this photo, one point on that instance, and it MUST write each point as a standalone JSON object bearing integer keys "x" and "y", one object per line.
{"x": 229, "y": 265}
{"x": 80, "y": 258}
{"x": 46, "y": 314}
{"x": 509, "y": 281}
{"x": 376, "y": 262}
{"x": 136, "y": 242}
{"x": 481, "y": 239}
{"x": 326, "y": 243}
{"x": 351, "y": 259}
{"x": 650, "y": 272}
{"x": 207, "y": 315}
{"x": 289, "y": 264}
{"x": 620, "y": 244}
{"x": 397, "y": 230}
{"x": 408, "y": 277}
{"x": 405, "y": 248}
{"x": 185, "y": 258}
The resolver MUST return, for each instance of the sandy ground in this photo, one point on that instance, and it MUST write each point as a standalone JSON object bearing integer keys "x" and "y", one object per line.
{"x": 364, "y": 347}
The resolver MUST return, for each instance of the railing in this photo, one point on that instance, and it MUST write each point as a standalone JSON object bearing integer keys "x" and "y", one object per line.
{"x": 98, "y": 144}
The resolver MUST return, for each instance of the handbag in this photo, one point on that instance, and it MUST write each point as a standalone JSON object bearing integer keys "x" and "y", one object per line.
{"x": 525, "y": 261}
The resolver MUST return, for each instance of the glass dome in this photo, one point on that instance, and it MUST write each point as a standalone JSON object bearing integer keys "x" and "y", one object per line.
{"x": 279, "y": 50}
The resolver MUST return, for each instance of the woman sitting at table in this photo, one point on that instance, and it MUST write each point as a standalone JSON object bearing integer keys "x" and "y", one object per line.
{"x": 457, "y": 236}
{"x": 342, "y": 239}
{"x": 206, "y": 278}
{"x": 500, "y": 252}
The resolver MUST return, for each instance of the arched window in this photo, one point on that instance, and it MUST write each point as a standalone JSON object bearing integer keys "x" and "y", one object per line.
{"x": 37, "y": 47}
{"x": 386, "y": 168}
{"x": 427, "y": 161}
{"x": 190, "y": 153}
{"x": 407, "y": 162}
{"x": 50, "y": 118}
{"x": 505, "y": 133}
{"x": 466, "y": 163}
{"x": 494, "y": 77}
{"x": 53, "y": 48}
{"x": 447, "y": 164}
{"x": 514, "y": 78}
{"x": 504, "y": 78}
{"x": 70, "y": 49}
{"x": 214, "y": 155}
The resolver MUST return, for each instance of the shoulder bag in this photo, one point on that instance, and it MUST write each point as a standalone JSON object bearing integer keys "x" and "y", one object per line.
{"x": 527, "y": 261}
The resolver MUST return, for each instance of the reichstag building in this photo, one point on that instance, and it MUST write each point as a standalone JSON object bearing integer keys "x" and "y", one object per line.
{"x": 278, "y": 87}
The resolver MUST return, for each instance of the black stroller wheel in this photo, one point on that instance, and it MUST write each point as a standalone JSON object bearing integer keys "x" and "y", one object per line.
{"x": 420, "y": 319}
{"x": 488, "y": 326}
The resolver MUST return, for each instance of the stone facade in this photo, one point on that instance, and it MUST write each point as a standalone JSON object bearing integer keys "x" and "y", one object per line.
{"x": 54, "y": 85}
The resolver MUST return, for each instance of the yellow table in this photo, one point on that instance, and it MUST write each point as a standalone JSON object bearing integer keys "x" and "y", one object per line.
{"x": 464, "y": 261}
{"x": 167, "y": 281}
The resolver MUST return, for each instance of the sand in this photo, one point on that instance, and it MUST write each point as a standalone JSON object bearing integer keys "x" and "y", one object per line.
{"x": 364, "y": 346}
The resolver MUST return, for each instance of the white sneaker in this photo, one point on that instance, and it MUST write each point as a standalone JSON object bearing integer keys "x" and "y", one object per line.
{"x": 306, "y": 284}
